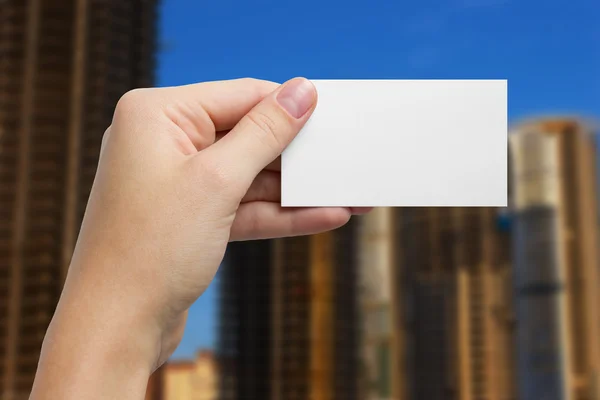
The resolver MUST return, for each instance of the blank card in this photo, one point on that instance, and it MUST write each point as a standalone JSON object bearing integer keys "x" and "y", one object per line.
{"x": 387, "y": 143}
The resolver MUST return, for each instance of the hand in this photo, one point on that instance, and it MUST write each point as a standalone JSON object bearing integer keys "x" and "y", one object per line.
{"x": 182, "y": 171}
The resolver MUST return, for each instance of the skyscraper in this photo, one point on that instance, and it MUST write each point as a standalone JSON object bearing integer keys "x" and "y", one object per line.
{"x": 454, "y": 282}
{"x": 245, "y": 309}
{"x": 556, "y": 259}
{"x": 289, "y": 330}
{"x": 63, "y": 66}
{"x": 380, "y": 376}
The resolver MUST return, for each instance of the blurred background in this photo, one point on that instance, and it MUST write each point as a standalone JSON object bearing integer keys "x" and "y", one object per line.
{"x": 405, "y": 303}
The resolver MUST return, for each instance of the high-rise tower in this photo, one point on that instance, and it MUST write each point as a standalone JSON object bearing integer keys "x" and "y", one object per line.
{"x": 63, "y": 66}
{"x": 382, "y": 378}
{"x": 245, "y": 331}
{"x": 556, "y": 259}
{"x": 289, "y": 318}
{"x": 454, "y": 282}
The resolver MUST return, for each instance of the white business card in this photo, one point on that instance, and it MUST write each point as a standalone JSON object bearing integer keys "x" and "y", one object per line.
{"x": 387, "y": 143}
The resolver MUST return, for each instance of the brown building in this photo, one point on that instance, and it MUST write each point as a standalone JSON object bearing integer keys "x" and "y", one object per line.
{"x": 454, "y": 314}
{"x": 291, "y": 331}
{"x": 63, "y": 66}
{"x": 554, "y": 181}
{"x": 437, "y": 300}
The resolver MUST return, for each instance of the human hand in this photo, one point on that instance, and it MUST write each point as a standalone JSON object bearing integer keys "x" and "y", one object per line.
{"x": 182, "y": 171}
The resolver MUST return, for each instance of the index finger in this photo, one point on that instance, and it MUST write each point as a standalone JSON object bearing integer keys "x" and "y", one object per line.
{"x": 224, "y": 102}
{"x": 274, "y": 166}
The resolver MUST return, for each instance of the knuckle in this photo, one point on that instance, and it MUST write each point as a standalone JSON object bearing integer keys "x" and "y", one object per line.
{"x": 250, "y": 81}
{"x": 265, "y": 127}
{"x": 131, "y": 102}
{"x": 105, "y": 137}
{"x": 258, "y": 87}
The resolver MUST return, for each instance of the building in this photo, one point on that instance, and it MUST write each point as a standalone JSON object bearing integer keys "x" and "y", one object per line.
{"x": 437, "y": 300}
{"x": 63, "y": 66}
{"x": 556, "y": 259}
{"x": 377, "y": 263}
{"x": 291, "y": 332}
{"x": 191, "y": 380}
{"x": 454, "y": 284}
{"x": 244, "y": 339}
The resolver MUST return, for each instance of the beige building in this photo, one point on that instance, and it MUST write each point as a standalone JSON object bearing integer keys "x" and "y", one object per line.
{"x": 376, "y": 246}
{"x": 554, "y": 181}
{"x": 191, "y": 380}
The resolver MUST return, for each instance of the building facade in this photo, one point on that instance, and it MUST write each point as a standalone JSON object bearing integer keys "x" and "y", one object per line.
{"x": 454, "y": 282}
{"x": 380, "y": 379}
{"x": 63, "y": 66}
{"x": 437, "y": 305}
{"x": 554, "y": 182}
{"x": 292, "y": 332}
{"x": 245, "y": 314}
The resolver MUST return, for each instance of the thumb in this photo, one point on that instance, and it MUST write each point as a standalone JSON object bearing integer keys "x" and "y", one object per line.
{"x": 262, "y": 134}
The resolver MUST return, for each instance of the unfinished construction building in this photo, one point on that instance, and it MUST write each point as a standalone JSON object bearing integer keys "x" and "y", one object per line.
{"x": 452, "y": 309}
{"x": 63, "y": 66}
{"x": 289, "y": 318}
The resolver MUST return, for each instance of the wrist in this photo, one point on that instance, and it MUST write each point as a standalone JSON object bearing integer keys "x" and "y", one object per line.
{"x": 99, "y": 345}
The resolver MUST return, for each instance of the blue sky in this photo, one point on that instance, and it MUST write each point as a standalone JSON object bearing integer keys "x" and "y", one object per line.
{"x": 548, "y": 50}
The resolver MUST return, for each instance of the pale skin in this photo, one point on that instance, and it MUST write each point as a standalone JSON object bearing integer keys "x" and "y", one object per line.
{"x": 182, "y": 172}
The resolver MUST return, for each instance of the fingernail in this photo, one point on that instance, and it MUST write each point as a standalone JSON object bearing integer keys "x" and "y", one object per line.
{"x": 297, "y": 97}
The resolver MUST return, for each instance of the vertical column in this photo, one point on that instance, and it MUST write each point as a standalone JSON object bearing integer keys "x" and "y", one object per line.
{"x": 381, "y": 330}
{"x": 399, "y": 373}
{"x": 489, "y": 334}
{"x": 70, "y": 219}
{"x": 463, "y": 307}
{"x": 21, "y": 199}
{"x": 541, "y": 303}
{"x": 321, "y": 348}
{"x": 276, "y": 321}
{"x": 584, "y": 158}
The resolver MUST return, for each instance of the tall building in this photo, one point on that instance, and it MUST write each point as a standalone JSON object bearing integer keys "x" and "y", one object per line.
{"x": 63, "y": 66}
{"x": 556, "y": 259}
{"x": 244, "y": 339}
{"x": 454, "y": 287}
{"x": 291, "y": 332}
{"x": 437, "y": 300}
{"x": 380, "y": 379}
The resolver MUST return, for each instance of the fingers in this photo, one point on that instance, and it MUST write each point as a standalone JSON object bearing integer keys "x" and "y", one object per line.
{"x": 224, "y": 102}
{"x": 195, "y": 111}
{"x": 265, "y": 220}
{"x": 265, "y": 187}
{"x": 262, "y": 134}
{"x": 274, "y": 166}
